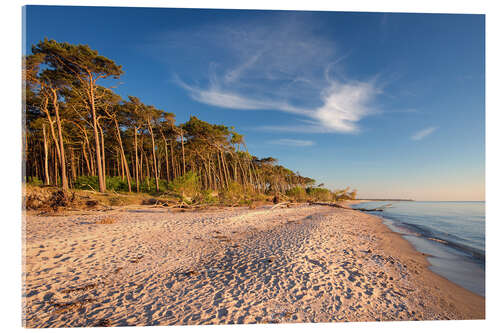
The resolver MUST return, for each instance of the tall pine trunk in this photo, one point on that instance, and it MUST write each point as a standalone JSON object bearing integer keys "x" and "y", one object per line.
{"x": 46, "y": 157}
{"x": 136, "y": 161}
{"x": 73, "y": 165}
{"x": 102, "y": 152}
{"x": 166, "y": 156}
{"x": 64, "y": 179}
{"x": 124, "y": 160}
{"x": 100, "y": 175}
{"x": 155, "y": 167}
{"x": 183, "y": 157}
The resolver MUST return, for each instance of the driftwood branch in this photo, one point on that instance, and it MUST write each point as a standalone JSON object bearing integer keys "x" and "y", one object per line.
{"x": 280, "y": 204}
{"x": 286, "y": 204}
{"x": 378, "y": 209}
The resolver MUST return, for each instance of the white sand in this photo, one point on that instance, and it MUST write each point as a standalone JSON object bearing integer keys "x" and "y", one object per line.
{"x": 303, "y": 264}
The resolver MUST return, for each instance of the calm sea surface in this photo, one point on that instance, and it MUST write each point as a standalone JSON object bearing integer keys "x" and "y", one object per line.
{"x": 452, "y": 233}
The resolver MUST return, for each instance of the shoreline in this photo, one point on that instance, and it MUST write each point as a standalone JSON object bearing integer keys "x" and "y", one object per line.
{"x": 405, "y": 245}
{"x": 454, "y": 290}
{"x": 441, "y": 256}
{"x": 300, "y": 264}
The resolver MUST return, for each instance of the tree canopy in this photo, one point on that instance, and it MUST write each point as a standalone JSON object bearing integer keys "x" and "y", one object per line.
{"x": 80, "y": 134}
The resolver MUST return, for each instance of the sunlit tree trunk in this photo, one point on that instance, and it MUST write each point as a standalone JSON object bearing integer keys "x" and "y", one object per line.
{"x": 166, "y": 156}
{"x": 64, "y": 179}
{"x": 100, "y": 174}
{"x": 52, "y": 130}
{"x": 84, "y": 150}
{"x": 137, "y": 185}
{"x": 73, "y": 165}
{"x": 46, "y": 157}
{"x": 155, "y": 167}
{"x": 124, "y": 159}
{"x": 183, "y": 156}
{"x": 173, "y": 163}
{"x": 102, "y": 151}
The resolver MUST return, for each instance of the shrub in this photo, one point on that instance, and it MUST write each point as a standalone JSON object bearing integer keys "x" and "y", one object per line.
{"x": 208, "y": 197}
{"x": 344, "y": 194}
{"x": 92, "y": 183}
{"x": 86, "y": 183}
{"x": 319, "y": 194}
{"x": 234, "y": 193}
{"x": 297, "y": 193}
{"x": 186, "y": 186}
{"x": 35, "y": 181}
{"x": 116, "y": 184}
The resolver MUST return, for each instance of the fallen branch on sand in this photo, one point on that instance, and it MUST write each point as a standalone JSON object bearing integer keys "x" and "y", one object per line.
{"x": 378, "y": 209}
{"x": 280, "y": 204}
{"x": 287, "y": 204}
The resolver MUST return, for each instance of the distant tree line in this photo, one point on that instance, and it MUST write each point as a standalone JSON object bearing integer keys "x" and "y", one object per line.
{"x": 80, "y": 134}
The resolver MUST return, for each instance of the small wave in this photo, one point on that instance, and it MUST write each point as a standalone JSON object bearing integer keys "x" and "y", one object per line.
{"x": 406, "y": 219}
{"x": 432, "y": 235}
{"x": 474, "y": 253}
{"x": 438, "y": 240}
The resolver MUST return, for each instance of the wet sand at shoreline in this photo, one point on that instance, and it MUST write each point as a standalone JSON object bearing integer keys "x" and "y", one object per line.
{"x": 239, "y": 265}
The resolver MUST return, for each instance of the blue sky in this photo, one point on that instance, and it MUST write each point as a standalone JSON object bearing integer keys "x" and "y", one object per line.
{"x": 390, "y": 104}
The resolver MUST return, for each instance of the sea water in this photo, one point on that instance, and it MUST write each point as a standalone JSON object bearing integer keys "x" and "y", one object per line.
{"x": 451, "y": 233}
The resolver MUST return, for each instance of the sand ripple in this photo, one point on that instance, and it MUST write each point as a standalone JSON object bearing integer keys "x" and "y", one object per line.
{"x": 154, "y": 267}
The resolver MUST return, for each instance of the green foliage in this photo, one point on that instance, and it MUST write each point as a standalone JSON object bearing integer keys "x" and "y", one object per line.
{"x": 297, "y": 193}
{"x": 245, "y": 202}
{"x": 76, "y": 59}
{"x": 35, "y": 181}
{"x": 116, "y": 184}
{"x": 352, "y": 195}
{"x": 64, "y": 77}
{"x": 344, "y": 194}
{"x": 187, "y": 185}
{"x": 234, "y": 193}
{"x": 112, "y": 184}
{"x": 208, "y": 197}
{"x": 148, "y": 185}
{"x": 86, "y": 183}
{"x": 319, "y": 194}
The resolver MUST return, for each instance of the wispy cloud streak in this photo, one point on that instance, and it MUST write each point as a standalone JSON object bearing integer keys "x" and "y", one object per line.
{"x": 292, "y": 142}
{"x": 343, "y": 106}
{"x": 423, "y": 133}
{"x": 226, "y": 99}
{"x": 285, "y": 68}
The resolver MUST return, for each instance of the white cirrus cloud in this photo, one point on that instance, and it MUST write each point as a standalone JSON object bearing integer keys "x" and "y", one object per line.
{"x": 281, "y": 65}
{"x": 423, "y": 133}
{"x": 343, "y": 106}
{"x": 292, "y": 142}
{"x": 216, "y": 96}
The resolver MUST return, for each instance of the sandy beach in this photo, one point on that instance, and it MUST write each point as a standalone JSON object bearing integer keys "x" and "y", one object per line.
{"x": 153, "y": 266}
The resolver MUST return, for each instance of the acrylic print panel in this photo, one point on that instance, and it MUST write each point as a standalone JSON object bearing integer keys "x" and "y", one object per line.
{"x": 196, "y": 166}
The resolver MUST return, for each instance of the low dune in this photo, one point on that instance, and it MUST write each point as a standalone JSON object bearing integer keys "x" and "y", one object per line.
{"x": 228, "y": 266}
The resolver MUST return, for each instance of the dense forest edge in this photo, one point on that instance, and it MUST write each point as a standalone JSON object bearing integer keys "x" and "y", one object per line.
{"x": 82, "y": 140}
